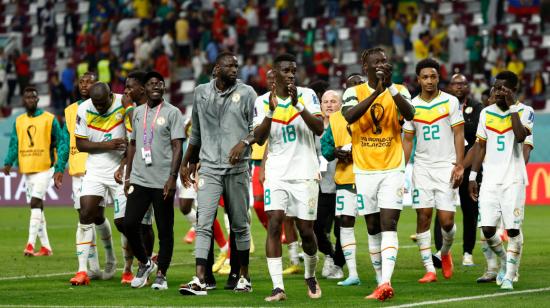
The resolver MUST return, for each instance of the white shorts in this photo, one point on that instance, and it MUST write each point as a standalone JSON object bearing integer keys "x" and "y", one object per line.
{"x": 496, "y": 201}
{"x": 184, "y": 192}
{"x": 381, "y": 190}
{"x": 37, "y": 184}
{"x": 105, "y": 187}
{"x": 297, "y": 198}
{"x": 348, "y": 203}
{"x": 432, "y": 189}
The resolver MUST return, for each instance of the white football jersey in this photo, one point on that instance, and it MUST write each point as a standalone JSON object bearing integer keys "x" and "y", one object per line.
{"x": 99, "y": 128}
{"x": 291, "y": 152}
{"x": 432, "y": 125}
{"x": 504, "y": 162}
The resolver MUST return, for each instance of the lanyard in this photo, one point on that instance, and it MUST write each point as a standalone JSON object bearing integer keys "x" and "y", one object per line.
{"x": 150, "y": 142}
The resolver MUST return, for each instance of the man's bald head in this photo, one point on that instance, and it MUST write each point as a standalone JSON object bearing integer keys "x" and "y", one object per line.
{"x": 101, "y": 96}
{"x": 459, "y": 87}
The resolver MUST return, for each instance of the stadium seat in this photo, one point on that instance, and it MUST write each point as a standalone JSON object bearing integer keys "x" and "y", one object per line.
{"x": 445, "y": 8}
{"x": 187, "y": 86}
{"x": 541, "y": 53}
{"x": 44, "y": 101}
{"x": 546, "y": 41}
{"x": 260, "y": 48}
{"x": 515, "y": 26}
{"x": 83, "y": 7}
{"x": 343, "y": 34}
{"x": 309, "y": 22}
{"x": 528, "y": 54}
{"x": 37, "y": 53}
{"x": 477, "y": 19}
{"x": 349, "y": 58}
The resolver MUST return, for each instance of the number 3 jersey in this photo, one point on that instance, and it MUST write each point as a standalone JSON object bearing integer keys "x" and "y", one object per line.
{"x": 291, "y": 151}
{"x": 95, "y": 127}
{"x": 503, "y": 163}
{"x": 432, "y": 125}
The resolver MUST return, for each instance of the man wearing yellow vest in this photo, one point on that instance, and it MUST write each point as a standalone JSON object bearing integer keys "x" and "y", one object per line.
{"x": 375, "y": 111}
{"x": 34, "y": 136}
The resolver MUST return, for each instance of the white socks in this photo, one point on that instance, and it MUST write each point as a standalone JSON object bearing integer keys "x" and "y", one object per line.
{"x": 389, "y": 246}
{"x": 310, "y": 264}
{"x": 347, "y": 239}
{"x": 104, "y": 232}
{"x": 424, "y": 242}
{"x": 43, "y": 233}
{"x": 84, "y": 237}
{"x": 93, "y": 260}
{"x": 375, "y": 256}
{"x": 492, "y": 264}
{"x": 448, "y": 238}
{"x": 34, "y": 225}
{"x": 127, "y": 254}
{"x": 512, "y": 256}
{"x": 495, "y": 243}
{"x": 275, "y": 266}
{"x": 293, "y": 253}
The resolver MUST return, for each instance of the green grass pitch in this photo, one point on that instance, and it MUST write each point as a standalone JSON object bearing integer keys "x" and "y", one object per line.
{"x": 44, "y": 281}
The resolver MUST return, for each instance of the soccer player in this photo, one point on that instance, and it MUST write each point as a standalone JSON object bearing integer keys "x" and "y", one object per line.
{"x": 290, "y": 119}
{"x": 77, "y": 165}
{"x": 223, "y": 108}
{"x": 502, "y": 130}
{"x": 374, "y": 111}
{"x": 336, "y": 144}
{"x": 438, "y": 126}
{"x": 34, "y": 136}
{"x": 101, "y": 133}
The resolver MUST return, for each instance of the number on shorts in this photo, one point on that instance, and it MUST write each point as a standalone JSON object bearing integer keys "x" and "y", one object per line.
{"x": 431, "y": 130}
{"x": 289, "y": 133}
{"x": 340, "y": 203}
{"x": 501, "y": 144}
{"x": 267, "y": 197}
{"x": 416, "y": 193}
{"x": 360, "y": 202}
{"x": 117, "y": 208}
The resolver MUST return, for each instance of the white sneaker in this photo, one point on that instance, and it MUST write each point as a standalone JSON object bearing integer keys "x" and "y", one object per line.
{"x": 143, "y": 273}
{"x": 327, "y": 266}
{"x": 243, "y": 285}
{"x": 110, "y": 269}
{"x": 160, "y": 283}
{"x": 194, "y": 287}
{"x": 336, "y": 272}
{"x": 467, "y": 259}
{"x": 516, "y": 278}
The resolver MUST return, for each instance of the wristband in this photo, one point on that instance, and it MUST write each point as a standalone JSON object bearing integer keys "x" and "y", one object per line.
{"x": 299, "y": 107}
{"x": 269, "y": 114}
{"x": 473, "y": 176}
{"x": 393, "y": 90}
{"x": 514, "y": 109}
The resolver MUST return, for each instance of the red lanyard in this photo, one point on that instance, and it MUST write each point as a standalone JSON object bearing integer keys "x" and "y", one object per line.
{"x": 152, "y": 126}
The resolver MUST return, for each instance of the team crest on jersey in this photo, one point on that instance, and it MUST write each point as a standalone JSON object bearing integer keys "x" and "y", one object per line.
{"x": 400, "y": 192}
{"x": 235, "y": 98}
{"x": 517, "y": 212}
{"x": 118, "y": 116}
{"x": 161, "y": 121}
{"x": 442, "y": 110}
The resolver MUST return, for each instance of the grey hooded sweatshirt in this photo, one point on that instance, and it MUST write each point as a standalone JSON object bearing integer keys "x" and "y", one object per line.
{"x": 219, "y": 121}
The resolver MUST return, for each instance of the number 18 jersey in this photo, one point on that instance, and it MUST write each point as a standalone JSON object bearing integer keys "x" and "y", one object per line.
{"x": 291, "y": 152}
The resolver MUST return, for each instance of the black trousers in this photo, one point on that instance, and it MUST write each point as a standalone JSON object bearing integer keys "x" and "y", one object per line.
{"x": 323, "y": 225}
{"x": 137, "y": 204}
{"x": 470, "y": 213}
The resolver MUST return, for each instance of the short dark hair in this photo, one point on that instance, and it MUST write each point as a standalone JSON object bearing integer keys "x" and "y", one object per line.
{"x": 224, "y": 54}
{"x": 366, "y": 53}
{"x": 152, "y": 74}
{"x": 319, "y": 86}
{"x": 139, "y": 76}
{"x": 427, "y": 63}
{"x": 30, "y": 89}
{"x": 510, "y": 78}
{"x": 284, "y": 57}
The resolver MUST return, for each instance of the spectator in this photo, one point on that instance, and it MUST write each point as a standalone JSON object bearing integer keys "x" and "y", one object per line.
{"x": 104, "y": 40}
{"x": 515, "y": 65}
{"x": 3, "y": 79}
{"x": 168, "y": 44}
{"x": 514, "y": 44}
{"x": 478, "y": 86}
{"x": 58, "y": 95}
{"x": 331, "y": 33}
{"x": 22, "y": 68}
{"x": 68, "y": 77}
{"x": 400, "y": 35}
{"x": 384, "y": 35}
{"x": 182, "y": 37}
{"x": 70, "y": 27}
{"x": 457, "y": 42}
{"x": 142, "y": 9}
{"x": 48, "y": 24}
{"x": 11, "y": 77}
{"x": 251, "y": 16}
{"x": 419, "y": 27}
{"x": 241, "y": 26}
{"x": 144, "y": 51}
{"x": 197, "y": 63}
{"x": 104, "y": 70}
{"x": 499, "y": 67}
{"x": 248, "y": 71}
{"x": 538, "y": 88}
{"x": 367, "y": 36}
{"x": 323, "y": 61}
{"x": 474, "y": 44}
{"x": 491, "y": 53}
{"x": 421, "y": 46}
{"x": 162, "y": 65}
{"x": 212, "y": 50}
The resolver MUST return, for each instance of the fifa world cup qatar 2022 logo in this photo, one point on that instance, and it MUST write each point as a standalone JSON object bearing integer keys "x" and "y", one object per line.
{"x": 31, "y": 131}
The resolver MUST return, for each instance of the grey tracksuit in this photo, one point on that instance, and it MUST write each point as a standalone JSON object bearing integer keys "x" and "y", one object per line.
{"x": 220, "y": 121}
